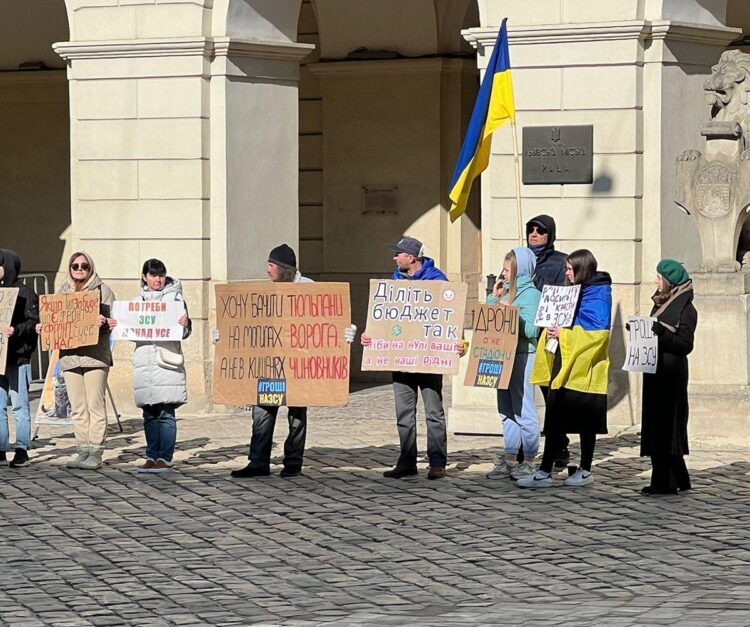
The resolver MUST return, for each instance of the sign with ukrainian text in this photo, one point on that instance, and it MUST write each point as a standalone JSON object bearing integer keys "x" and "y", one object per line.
{"x": 148, "y": 321}
{"x": 493, "y": 346}
{"x": 557, "y": 306}
{"x": 8, "y": 298}
{"x": 414, "y": 326}
{"x": 642, "y": 352}
{"x": 282, "y": 344}
{"x": 69, "y": 320}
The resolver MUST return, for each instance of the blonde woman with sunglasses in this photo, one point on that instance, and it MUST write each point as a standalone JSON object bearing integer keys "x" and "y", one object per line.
{"x": 86, "y": 368}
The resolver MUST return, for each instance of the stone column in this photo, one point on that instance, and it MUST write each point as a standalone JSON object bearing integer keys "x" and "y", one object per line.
{"x": 184, "y": 148}
{"x": 634, "y": 74}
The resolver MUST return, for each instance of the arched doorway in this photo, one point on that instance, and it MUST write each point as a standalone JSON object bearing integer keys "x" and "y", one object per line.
{"x": 384, "y": 103}
{"x": 35, "y": 132}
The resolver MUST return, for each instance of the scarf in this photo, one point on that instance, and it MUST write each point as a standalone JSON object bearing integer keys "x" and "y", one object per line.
{"x": 668, "y": 310}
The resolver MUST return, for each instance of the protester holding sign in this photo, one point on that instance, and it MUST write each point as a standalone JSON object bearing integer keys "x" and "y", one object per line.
{"x": 516, "y": 404}
{"x": 281, "y": 268}
{"x": 21, "y": 345}
{"x": 86, "y": 368}
{"x": 664, "y": 414}
{"x": 541, "y": 232}
{"x": 159, "y": 379}
{"x": 576, "y": 374}
{"x": 412, "y": 265}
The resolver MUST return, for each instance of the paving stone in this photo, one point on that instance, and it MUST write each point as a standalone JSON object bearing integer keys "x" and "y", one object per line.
{"x": 341, "y": 545}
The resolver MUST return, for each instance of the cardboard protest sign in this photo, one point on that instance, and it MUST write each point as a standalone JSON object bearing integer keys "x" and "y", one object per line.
{"x": 153, "y": 321}
{"x": 69, "y": 320}
{"x": 643, "y": 346}
{"x": 282, "y": 344}
{"x": 414, "y": 326}
{"x": 557, "y": 306}
{"x": 493, "y": 346}
{"x": 8, "y": 297}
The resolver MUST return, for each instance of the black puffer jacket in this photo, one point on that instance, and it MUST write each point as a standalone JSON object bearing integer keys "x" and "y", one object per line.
{"x": 550, "y": 264}
{"x": 22, "y": 343}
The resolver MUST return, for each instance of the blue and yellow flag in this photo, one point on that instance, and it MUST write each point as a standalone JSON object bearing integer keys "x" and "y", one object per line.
{"x": 494, "y": 107}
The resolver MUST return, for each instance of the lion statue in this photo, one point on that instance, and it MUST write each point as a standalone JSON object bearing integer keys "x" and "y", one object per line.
{"x": 728, "y": 90}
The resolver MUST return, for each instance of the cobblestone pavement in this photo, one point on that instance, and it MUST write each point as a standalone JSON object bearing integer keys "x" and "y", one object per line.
{"x": 343, "y": 546}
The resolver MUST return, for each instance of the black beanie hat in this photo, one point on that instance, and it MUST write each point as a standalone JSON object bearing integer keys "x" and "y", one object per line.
{"x": 283, "y": 256}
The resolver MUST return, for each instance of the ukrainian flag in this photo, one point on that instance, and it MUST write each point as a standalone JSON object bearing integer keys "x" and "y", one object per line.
{"x": 584, "y": 348}
{"x": 494, "y": 107}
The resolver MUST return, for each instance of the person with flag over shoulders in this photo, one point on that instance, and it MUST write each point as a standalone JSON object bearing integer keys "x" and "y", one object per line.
{"x": 413, "y": 265}
{"x": 576, "y": 373}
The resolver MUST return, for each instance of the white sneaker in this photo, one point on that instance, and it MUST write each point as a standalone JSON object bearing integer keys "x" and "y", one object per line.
{"x": 502, "y": 470}
{"x": 580, "y": 478}
{"x": 524, "y": 469}
{"x": 539, "y": 479}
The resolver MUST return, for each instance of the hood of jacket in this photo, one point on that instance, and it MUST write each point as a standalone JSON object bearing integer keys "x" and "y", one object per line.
{"x": 525, "y": 262}
{"x": 171, "y": 286}
{"x": 428, "y": 272}
{"x": 93, "y": 283}
{"x": 11, "y": 264}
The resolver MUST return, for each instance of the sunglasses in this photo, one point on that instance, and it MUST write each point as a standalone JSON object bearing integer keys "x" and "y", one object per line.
{"x": 83, "y": 266}
{"x": 539, "y": 229}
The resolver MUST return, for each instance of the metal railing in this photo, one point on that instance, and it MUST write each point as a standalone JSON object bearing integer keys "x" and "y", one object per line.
{"x": 39, "y": 363}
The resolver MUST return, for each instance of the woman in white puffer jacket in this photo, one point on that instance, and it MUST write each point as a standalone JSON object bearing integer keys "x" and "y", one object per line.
{"x": 159, "y": 380}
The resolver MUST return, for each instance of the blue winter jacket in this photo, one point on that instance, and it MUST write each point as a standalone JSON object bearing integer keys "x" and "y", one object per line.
{"x": 527, "y": 300}
{"x": 428, "y": 272}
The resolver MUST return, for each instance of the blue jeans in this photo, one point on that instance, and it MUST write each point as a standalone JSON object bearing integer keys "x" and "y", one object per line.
{"x": 518, "y": 411}
{"x": 160, "y": 426}
{"x": 15, "y": 383}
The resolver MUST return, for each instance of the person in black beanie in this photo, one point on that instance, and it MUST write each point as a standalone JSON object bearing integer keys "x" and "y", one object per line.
{"x": 281, "y": 268}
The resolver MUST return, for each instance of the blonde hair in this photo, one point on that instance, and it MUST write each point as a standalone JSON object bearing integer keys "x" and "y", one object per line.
{"x": 511, "y": 256}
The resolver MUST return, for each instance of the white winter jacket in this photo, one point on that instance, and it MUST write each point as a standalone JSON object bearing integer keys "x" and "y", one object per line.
{"x": 156, "y": 380}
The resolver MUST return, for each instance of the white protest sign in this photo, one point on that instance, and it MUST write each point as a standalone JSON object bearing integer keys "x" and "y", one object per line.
{"x": 148, "y": 321}
{"x": 643, "y": 346}
{"x": 557, "y": 306}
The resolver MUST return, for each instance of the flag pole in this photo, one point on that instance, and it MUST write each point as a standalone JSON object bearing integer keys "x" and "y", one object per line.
{"x": 519, "y": 216}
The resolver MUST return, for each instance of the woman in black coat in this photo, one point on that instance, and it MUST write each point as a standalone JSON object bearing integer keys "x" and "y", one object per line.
{"x": 665, "y": 393}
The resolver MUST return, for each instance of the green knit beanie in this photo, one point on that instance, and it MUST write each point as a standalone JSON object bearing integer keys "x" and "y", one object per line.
{"x": 673, "y": 271}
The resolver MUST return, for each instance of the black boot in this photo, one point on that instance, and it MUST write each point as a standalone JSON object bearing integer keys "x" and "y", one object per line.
{"x": 21, "y": 458}
{"x": 251, "y": 471}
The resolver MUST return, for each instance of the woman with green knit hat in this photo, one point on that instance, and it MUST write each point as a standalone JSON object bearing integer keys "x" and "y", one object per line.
{"x": 664, "y": 414}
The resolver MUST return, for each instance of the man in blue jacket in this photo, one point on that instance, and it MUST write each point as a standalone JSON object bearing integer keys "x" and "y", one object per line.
{"x": 411, "y": 264}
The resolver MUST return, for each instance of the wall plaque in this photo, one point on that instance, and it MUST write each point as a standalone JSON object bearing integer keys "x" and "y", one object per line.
{"x": 554, "y": 155}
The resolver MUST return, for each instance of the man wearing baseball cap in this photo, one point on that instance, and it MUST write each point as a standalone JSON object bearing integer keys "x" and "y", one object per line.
{"x": 413, "y": 265}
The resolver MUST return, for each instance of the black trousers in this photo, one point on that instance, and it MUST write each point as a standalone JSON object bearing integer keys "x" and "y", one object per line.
{"x": 261, "y": 442}
{"x": 554, "y": 442}
{"x": 669, "y": 472}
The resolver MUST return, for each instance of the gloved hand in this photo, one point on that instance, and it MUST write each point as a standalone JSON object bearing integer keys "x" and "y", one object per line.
{"x": 215, "y": 336}
{"x": 350, "y": 332}
{"x": 627, "y": 326}
{"x": 658, "y": 328}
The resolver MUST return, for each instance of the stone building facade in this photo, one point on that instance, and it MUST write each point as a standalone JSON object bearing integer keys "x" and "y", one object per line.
{"x": 204, "y": 132}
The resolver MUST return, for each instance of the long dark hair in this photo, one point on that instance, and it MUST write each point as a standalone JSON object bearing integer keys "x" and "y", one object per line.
{"x": 584, "y": 265}
{"x": 153, "y": 266}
